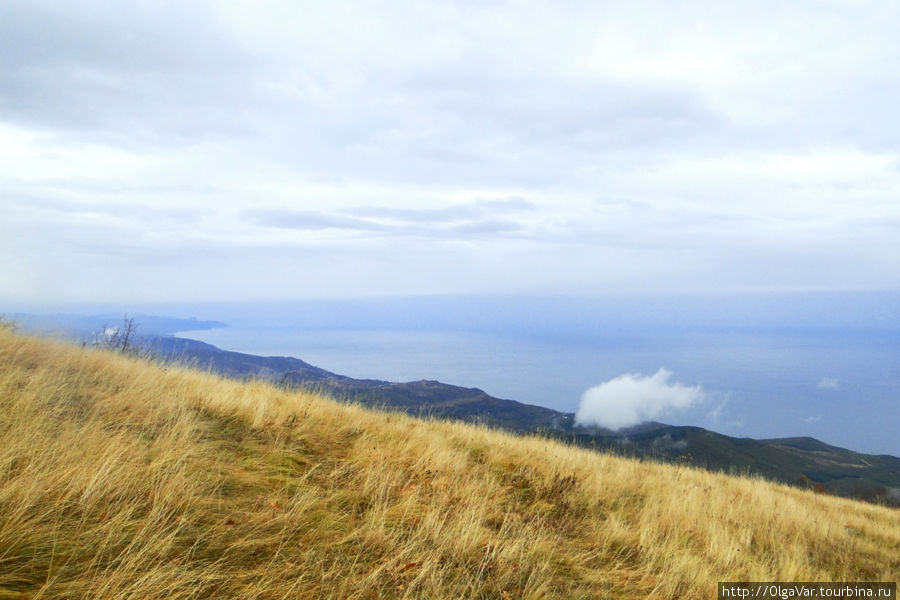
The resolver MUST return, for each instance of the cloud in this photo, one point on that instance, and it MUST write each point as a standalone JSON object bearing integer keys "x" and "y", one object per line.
{"x": 476, "y": 219}
{"x": 716, "y": 413}
{"x": 116, "y": 72}
{"x": 447, "y": 214}
{"x": 631, "y": 399}
{"x": 354, "y": 141}
{"x": 828, "y": 383}
{"x": 308, "y": 219}
{"x": 815, "y": 419}
{"x": 486, "y": 227}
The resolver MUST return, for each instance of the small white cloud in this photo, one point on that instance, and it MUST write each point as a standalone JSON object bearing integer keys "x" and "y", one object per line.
{"x": 815, "y": 419}
{"x": 716, "y": 413}
{"x": 631, "y": 398}
{"x": 828, "y": 383}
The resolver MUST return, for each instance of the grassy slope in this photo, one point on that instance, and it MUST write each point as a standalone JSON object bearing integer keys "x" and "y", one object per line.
{"x": 119, "y": 479}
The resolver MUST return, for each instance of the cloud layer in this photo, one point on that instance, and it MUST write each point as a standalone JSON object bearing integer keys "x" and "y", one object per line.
{"x": 448, "y": 146}
{"x": 631, "y": 399}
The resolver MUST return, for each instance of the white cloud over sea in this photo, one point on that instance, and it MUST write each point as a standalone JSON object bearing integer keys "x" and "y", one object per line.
{"x": 631, "y": 399}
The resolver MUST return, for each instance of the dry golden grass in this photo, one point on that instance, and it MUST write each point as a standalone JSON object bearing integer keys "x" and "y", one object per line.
{"x": 119, "y": 479}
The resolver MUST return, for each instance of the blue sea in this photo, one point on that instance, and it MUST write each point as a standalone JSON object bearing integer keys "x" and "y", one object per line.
{"x": 784, "y": 365}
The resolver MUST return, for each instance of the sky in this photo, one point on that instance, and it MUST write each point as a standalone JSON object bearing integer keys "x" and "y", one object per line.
{"x": 216, "y": 151}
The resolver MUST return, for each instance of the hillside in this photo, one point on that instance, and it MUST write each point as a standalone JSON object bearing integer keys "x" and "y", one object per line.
{"x": 123, "y": 479}
{"x": 421, "y": 398}
{"x": 804, "y": 462}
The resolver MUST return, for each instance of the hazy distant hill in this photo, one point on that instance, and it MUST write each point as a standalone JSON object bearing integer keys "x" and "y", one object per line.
{"x": 85, "y": 326}
{"x": 797, "y": 461}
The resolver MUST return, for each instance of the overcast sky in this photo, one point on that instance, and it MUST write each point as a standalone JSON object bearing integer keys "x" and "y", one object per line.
{"x": 247, "y": 150}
